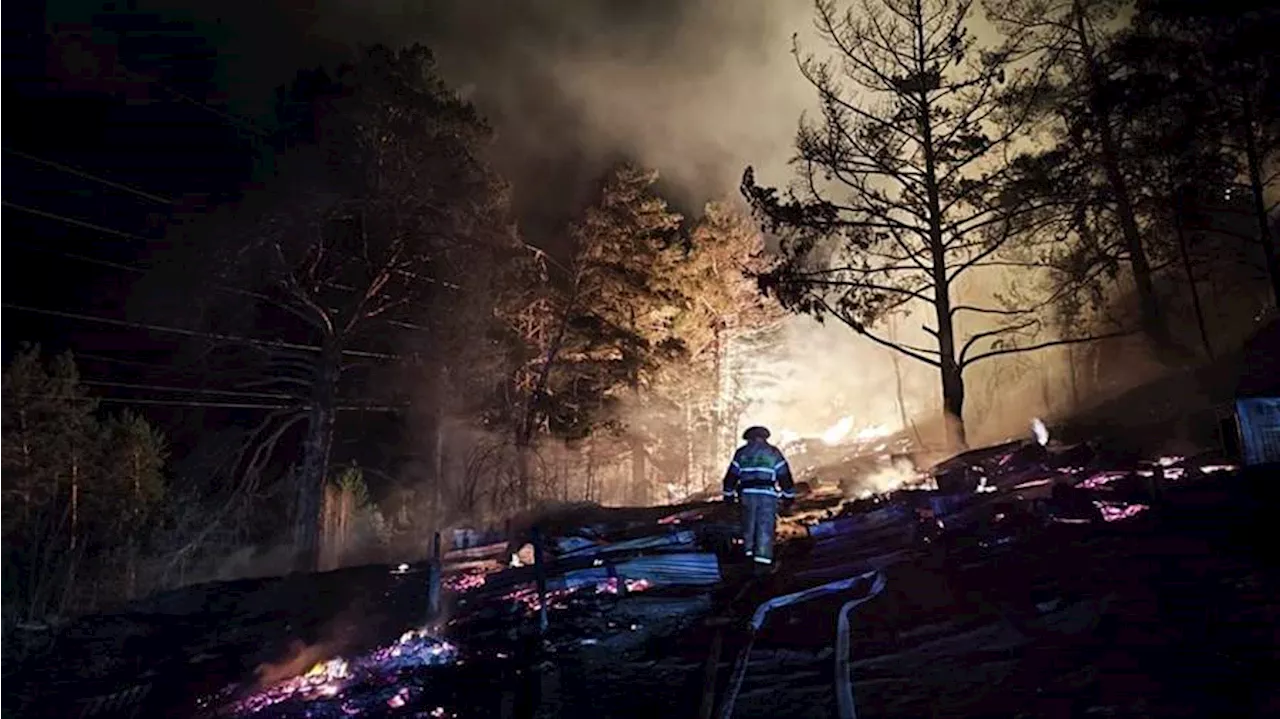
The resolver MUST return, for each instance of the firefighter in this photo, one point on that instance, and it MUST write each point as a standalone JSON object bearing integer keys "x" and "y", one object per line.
{"x": 758, "y": 477}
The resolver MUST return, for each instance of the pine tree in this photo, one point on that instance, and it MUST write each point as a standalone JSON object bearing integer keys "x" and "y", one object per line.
{"x": 901, "y": 186}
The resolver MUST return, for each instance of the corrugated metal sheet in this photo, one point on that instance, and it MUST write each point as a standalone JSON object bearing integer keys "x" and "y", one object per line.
{"x": 683, "y": 538}
{"x": 661, "y": 570}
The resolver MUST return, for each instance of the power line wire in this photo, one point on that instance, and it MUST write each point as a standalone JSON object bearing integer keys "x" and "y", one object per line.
{"x": 221, "y": 288}
{"x": 193, "y": 403}
{"x": 206, "y": 404}
{"x": 347, "y": 404}
{"x": 188, "y": 390}
{"x": 77, "y": 257}
{"x": 73, "y": 221}
{"x": 269, "y": 344}
{"x": 81, "y": 173}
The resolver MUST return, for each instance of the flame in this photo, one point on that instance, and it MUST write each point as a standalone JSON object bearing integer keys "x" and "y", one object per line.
{"x": 838, "y": 431}
{"x": 331, "y": 678}
{"x": 787, "y": 437}
{"x": 1040, "y": 431}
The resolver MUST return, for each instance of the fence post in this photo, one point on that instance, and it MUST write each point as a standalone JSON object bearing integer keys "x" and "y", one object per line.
{"x": 540, "y": 574}
{"x": 435, "y": 575}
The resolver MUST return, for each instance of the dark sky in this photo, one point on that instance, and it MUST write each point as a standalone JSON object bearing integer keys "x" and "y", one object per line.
{"x": 125, "y": 118}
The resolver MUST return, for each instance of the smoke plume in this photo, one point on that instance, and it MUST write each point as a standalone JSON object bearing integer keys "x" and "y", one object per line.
{"x": 697, "y": 89}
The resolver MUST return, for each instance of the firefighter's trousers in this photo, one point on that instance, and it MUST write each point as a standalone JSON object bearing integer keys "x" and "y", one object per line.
{"x": 759, "y": 515}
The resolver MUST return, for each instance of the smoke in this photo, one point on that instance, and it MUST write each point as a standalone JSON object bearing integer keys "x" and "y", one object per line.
{"x": 888, "y": 478}
{"x": 817, "y": 375}
{"x": 697, "y": 89}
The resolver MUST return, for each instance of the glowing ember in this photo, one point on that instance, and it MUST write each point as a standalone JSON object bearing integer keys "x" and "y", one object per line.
{"x": 329, "y": 680}
{"x": 679, "y": 517}
{"x": 465, "y": 582}
{"x": 610, "y": 586}
{"x": 1101, "y": 480}
{"x": 528, "y": 596}
{"x": 1214, "y": 468}
{"x": 1116, "y": 512}
{"x": 1169, "y": 461}
{"x": 400, "y": 568}
{"x": 399, "y": 699}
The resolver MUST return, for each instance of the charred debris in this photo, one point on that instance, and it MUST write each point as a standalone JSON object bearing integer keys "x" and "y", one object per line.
{"x": 648, "y": 610}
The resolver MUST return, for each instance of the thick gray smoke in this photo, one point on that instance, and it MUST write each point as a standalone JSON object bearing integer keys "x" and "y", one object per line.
{"x": 697, "y": 89}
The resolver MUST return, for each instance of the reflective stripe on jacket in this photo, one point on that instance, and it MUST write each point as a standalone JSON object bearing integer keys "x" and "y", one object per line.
{"x": 759, "y": 467}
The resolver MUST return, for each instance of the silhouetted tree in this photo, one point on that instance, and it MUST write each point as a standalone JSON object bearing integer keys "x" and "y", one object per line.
{"x": 900, "y": 182}
{"x": 372, "y": 239}
{"x": 1229, "y": 51}
{"x": 1070, "y": 39}
{"x": 77, "y": 491}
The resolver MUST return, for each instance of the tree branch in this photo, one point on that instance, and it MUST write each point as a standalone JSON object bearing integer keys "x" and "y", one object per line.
{"x": 1043, "y": 345}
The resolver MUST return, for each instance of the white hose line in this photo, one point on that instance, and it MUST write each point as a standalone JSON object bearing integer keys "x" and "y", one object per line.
{"x": 844, "y": 682}
{"x": 762, "y": 612}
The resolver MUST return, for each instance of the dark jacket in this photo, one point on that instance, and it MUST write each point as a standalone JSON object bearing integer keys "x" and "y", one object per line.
{"x": 759, "y": 468}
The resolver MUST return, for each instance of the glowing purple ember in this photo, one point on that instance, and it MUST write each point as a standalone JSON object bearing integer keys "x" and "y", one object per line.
{"x": 327, "y": 682}
{"x": 528, "y": 596}
{"x": 465, "y": 582}
{"x": 1101, "y": 479}
{"x": 611, "y": 586}
{"x": 1114, "y": 512}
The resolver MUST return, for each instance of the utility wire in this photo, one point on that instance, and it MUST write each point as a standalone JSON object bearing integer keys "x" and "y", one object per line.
{"x": 221, "y": 392}
{"x": 143, "y": 270}
{"x": 77, "y": 257}
{"x": 269, "y": 344}
{"x": 81, "y": 173}
{"x": 206, "y": 404}
{"x": 192, "y": 403}
{"x": 188, "y": 390}
{"x": 73, "y": 221}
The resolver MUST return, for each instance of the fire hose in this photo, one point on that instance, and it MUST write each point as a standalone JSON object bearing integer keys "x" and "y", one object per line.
{"x": 843, "y": 682}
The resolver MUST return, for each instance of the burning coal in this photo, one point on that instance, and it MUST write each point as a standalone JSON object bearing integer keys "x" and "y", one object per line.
{"x": 326, "y": 686}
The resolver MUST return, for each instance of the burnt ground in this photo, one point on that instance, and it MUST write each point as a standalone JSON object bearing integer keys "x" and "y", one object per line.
{"x": 1172, "y": 613}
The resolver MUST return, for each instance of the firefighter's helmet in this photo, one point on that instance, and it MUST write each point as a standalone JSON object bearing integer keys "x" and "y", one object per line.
{"x": 760, "y": 433}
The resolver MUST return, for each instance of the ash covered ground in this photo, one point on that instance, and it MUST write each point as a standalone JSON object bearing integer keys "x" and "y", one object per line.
{"x": 1028, "y": 581}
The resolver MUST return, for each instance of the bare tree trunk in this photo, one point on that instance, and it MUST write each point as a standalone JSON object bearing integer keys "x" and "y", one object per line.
{"x": 75, "y": 499}
{"x": 1180, "y": 232}
{"x": 591, "y": 470}
{"x": 314, "y": 470}
{"x": 1046, "y": 392}
{"x": 718, "y": 402}
{"x": 1153, "y": 320}
{"x": 1254, "y": 159}
{"x": 131, "y": 547}
{"x": 952, "y": 373}
{"x": 897, "y": 376}
{"x": 437, "y": 454}
{"x": 1071, "y": 365}
{"x": 639, "y": 478}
